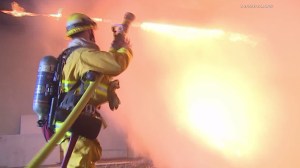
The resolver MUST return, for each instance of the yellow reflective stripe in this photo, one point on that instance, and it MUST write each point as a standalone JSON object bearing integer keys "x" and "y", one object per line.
{"x": 86, "y": 84}
{"x": 122, "y": 50}
{"x": 101, "y": 89}
{"x": 67, "y": 85}
{"x": 68, "y": 81}
{"x": 103, "y": 86}
{"x": 58, "y": 125}
{"x": 100, "y": 92}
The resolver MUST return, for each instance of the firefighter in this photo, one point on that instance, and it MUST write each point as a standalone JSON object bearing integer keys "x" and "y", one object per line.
{"x": 88, "y": 57}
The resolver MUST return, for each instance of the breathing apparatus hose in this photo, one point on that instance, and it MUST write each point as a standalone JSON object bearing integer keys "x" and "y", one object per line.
{"x": 44, "y": 152}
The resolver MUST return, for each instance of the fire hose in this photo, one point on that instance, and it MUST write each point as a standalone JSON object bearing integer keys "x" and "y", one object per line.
{"x": 44, "y": 152}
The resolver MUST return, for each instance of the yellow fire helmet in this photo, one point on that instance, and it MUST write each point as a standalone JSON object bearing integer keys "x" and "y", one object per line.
{"x": 78, "y": 22}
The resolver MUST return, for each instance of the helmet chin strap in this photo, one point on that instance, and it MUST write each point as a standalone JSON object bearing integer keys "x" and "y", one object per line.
{"x": 92, "y": 36}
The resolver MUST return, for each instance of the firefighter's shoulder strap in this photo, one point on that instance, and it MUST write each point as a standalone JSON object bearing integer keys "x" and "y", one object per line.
{"x": 62, "y": 58}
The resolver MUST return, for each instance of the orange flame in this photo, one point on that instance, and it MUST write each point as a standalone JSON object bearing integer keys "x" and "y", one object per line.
{"x": 97, "y": 19}
{"x": 57, "y": 15}
{"x": 18, "y": 11}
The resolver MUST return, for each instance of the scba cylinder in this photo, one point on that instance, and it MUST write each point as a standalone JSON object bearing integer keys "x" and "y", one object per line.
{"x": 44, "y": 88}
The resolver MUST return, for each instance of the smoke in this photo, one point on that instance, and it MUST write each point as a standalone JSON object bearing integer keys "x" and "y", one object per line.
{"x": 254, "y": 82}
{"x": 226, "y": 101}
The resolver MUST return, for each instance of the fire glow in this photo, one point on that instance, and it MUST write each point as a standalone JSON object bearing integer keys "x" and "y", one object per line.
{"x": 219, "y": 109}
{"x": 184, "y": 32}
{"x": 216, "y": 109}
{"x": 218, "y": 103}
{"x": 19, "y": 11}
{"x": 213, "y": 99}
{"x": 181, "y": 31}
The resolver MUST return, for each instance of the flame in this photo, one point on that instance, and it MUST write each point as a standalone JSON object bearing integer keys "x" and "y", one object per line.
{"x": 18, "y": 11}
{"x": 219, "y": 111}
{"x": 216, "y": 103}
{"x": 16, "y": 7}
{"x": 191, "y": 33}
{"x": 182, "y": 31}
{"x": 57, "y": 15}
{"x": 97, "y": 19}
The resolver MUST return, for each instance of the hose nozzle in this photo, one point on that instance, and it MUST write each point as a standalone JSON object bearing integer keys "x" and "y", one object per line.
{"x": 123, "y": 28}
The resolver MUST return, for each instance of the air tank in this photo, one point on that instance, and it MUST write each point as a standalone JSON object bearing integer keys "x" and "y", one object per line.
{"x": 44, "y": 88}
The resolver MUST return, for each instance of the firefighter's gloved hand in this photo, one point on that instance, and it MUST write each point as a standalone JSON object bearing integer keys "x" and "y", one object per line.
{"x": 120, "y": 41}
{"x": 112, "y": 97}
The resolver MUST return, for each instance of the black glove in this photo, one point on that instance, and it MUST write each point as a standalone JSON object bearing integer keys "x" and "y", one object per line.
{"x": 112, "y": 97}
{"x": 120, "y": 41}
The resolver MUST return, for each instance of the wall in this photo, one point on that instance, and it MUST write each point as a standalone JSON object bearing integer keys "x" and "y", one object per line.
{"x": 18, "y": 150}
